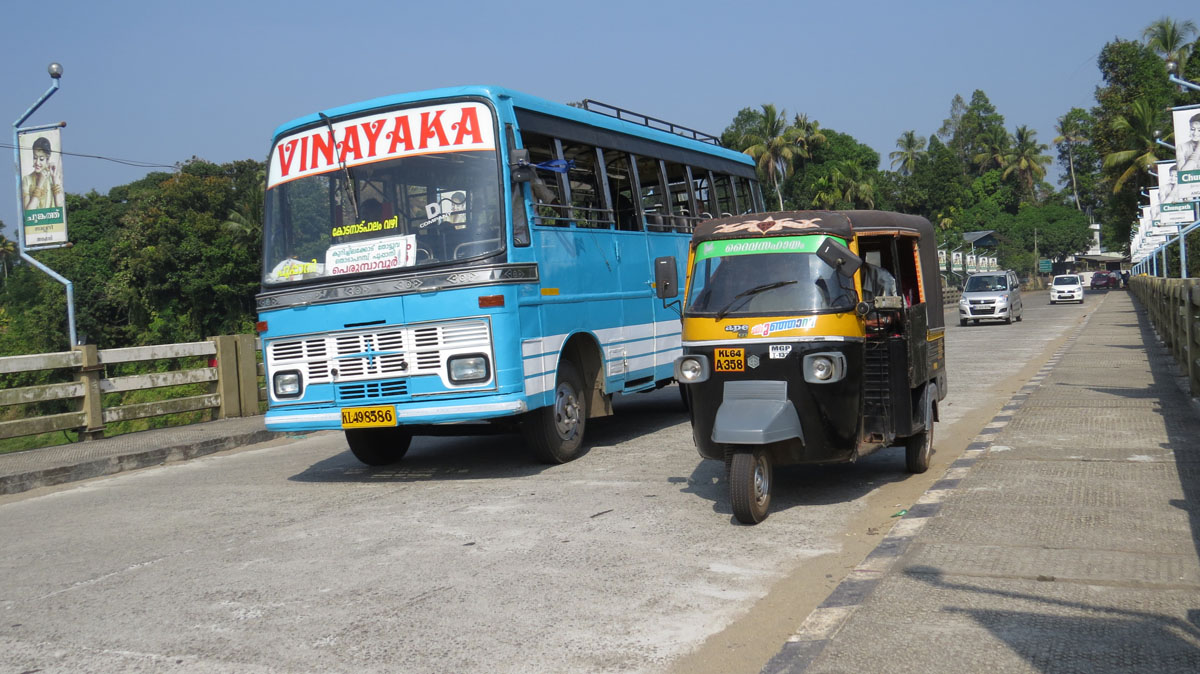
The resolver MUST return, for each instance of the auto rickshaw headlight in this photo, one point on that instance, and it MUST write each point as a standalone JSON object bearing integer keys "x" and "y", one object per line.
{"x": 691, "y": 369}
{"x": 824, "y": 368}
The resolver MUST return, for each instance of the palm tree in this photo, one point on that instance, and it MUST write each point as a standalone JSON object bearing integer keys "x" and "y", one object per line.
{"x": 1137, "y": 129}
{"x": 773, "y": 146}
{"x": 808, "y": 135}
{"x": 1171, "y": 39}
{"x": 8, "y": 251}
{"x": 1027, "y": 159}
{"x": 909, "y": 148}
{"x": 996, "y": 143}
{"x": 846, "y": 183}
{"x": 1069, "y": 133}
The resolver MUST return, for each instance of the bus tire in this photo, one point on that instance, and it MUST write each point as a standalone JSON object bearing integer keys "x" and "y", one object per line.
{"x": 918, "y": 449}
{"x": 555, "y": 432}
{"x": 379, "y": 446}
{"x": 750, "y": 486}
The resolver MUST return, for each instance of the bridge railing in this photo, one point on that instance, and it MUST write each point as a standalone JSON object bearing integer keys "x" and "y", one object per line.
{"x": 230, "y": 382}
{"x": 1173, "y": 306}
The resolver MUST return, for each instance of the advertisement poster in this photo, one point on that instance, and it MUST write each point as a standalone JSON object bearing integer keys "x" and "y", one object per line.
{"x": 43, "y": 209}
{"x": 942, "y": 259}
{"x": 972, "y": 265}
{"x": 958, "y": 259}
{"x": 1172, "y": 209}
{"x": 1187, "y": 152}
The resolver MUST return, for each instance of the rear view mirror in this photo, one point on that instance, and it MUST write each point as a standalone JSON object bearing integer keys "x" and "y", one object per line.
{"x": 839, "y": 257}
{"x": 666, "y": 279}
{"x": 522, "y": 171}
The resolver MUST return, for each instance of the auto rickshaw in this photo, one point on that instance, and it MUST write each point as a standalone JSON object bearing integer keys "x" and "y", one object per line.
{"x": 809, "y": 337}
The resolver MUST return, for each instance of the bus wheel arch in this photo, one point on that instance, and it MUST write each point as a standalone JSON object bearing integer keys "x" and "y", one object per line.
{"x": 555, "y": 432}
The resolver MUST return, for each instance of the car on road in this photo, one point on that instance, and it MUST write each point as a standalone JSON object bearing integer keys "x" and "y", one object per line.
{"x": 1104, "y": 279}
{"x": 992, "y": 296}
{"x": 1066, "y": 288}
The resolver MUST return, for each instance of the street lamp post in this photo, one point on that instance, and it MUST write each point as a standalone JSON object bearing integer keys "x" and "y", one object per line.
{"x": 56, "y": 72}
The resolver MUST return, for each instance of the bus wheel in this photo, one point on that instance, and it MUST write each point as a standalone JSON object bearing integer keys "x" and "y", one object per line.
{"x": 918, "y": 449}
{"x": 555, "y": 432}
{"x": 750, "y": 486}
{"x": 379, "y": 446}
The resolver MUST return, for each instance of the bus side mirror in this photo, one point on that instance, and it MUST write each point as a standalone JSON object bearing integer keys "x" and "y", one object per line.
{"x": 839, "y": 257}
{"x": 520, "y": 168}
{"x": 666, "y": 279}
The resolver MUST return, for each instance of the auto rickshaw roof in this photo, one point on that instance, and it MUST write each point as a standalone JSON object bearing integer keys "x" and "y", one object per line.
{"x": 782, "y": 223}
{"x": 841, "y": 224}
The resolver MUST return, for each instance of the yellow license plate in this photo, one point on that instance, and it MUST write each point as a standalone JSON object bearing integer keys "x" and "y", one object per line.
{"x": 368, "y": 417}
{"x": 729, "y": 360}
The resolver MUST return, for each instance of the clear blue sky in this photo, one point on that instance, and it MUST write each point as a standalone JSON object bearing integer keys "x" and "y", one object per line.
{"x": 163, "y": 81}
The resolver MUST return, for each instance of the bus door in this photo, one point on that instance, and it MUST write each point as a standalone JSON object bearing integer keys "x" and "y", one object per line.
{"x": 632, "y": 359}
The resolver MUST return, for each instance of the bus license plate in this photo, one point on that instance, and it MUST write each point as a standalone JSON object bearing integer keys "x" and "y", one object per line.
{"x": 368, "y": 417}
{"x": 729, "y": 360}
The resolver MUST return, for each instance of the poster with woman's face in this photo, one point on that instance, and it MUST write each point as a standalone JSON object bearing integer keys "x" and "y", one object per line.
{"x": 42, "y": 198}
{"x": 1187, "y": 151}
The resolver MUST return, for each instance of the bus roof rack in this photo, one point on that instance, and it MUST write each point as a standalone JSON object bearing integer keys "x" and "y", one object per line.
{"x": 646, "y": 120}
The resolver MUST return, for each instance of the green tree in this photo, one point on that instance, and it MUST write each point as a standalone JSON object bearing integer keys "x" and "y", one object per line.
{"x": 1171, "y": 40}
{"x": 980, "y": 124}
{"x": 1070, "y": 133}
{"x": 8, "y": 251}
{"x": 1138, "y": 129}
{"x": 996, "y": 145}
{"x": 1027, "y": 161}
{"x": 807, "y": 136}
{"x": 772, "y": 143}
{"x": 909, "y": 148}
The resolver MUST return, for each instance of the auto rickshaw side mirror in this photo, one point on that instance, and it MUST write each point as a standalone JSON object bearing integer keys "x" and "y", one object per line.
{"x": 666, "y": 279}
{"x": 839, "y": 257}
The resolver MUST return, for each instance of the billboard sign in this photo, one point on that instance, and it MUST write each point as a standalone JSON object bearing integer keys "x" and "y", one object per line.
{"x": 43, "y": 211}
{"x": 1187, "y": 151}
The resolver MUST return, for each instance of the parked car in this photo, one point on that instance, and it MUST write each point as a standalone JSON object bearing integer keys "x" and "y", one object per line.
{"x": 992, "y": 296}
{"x": 1066, "y": 288}
{"x": 1105, "y": 279}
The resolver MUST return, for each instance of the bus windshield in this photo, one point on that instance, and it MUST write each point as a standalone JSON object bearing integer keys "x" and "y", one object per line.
{"x": 383, "y": 193}
{"x": 769, "y": 276}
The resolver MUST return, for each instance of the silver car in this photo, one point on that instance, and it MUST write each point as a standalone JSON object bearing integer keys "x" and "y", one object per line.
{"x": 994, "y": 296}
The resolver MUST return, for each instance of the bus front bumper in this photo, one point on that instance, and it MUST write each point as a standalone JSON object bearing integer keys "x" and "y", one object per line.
{"x": 330, "y": 418}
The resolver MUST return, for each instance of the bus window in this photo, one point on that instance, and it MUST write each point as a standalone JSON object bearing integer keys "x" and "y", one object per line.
{"x": 701, "y": 179}
{"x": 621, "y": 190}
{"x": 546, "y": 186}
{"x": 745, "y": 202}
{"x": 679, "y": 186}
{"x": 651, "y": 191}
{"x": 724, "y": 193}
{"x": 587, "y": 207}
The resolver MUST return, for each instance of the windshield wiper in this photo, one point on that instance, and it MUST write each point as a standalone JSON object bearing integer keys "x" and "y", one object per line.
{"x": 746, "y": 293}
{"x": 348, "y": 188}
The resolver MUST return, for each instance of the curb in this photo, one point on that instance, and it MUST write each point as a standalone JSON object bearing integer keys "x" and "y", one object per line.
{"x": 822, "y": 625}
{"x": 48, "y": 477}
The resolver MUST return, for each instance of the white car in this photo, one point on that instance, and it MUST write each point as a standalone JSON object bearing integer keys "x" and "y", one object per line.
{"x": 1066, "y": 288}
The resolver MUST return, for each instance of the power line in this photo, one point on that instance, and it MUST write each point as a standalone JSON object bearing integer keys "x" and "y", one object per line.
{"x": 127, "y": 162}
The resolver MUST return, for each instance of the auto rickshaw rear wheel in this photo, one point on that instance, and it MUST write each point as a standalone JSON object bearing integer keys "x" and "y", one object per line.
{"x": 378, "y": 446}
{"x": 750, "y": 486}
{"x": 918, "y": 449}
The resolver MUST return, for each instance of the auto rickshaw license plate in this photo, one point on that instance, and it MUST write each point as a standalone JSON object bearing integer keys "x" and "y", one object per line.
{"x": 729, "y": 360}
{"x": 368, "y": 417}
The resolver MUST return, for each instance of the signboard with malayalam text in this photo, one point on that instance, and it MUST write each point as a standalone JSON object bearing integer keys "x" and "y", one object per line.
{"x": 43, "y": 208}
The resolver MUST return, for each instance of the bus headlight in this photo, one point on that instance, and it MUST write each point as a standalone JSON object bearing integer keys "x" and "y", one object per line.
{"x": 472, "y": 368}
{"x": 824, "y": 368}
{"x": 286, "y": 384}
{"x": 691, "y": 369}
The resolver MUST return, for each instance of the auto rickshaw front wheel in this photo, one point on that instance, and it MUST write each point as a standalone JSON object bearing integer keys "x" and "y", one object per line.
{"x": 750, "y": 486}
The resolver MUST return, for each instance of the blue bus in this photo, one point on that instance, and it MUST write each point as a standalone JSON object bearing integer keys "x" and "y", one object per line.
{"x": 476, "y": 260}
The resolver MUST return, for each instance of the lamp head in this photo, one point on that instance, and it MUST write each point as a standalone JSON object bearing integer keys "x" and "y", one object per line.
{"x": 1172, "y": 66}
{"x": 55, "y": 70}
{"x": 1157, "y": 134}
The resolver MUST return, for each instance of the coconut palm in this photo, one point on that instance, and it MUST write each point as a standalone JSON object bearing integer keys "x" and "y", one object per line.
{"x": 1069, "y": 134}
{"x": 1027, "y": 160}
{"x": 808, "y": 136}
{"x": 909, "y": 148}
{"x": 1137, "y": 128}
{"x": 8, "y": 251}
{"x": 772, "y": 143}
{"x": 1171, "y": 39}
{"x": 847, "y": 183}
{"x": 997, "y": 145}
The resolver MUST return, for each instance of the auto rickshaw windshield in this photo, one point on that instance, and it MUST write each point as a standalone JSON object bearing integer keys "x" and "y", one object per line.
{"x": 767, "y": 283}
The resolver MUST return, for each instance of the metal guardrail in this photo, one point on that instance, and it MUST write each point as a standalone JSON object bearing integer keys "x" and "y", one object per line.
{"x": 1174, "y": 308}
{"x": 233, "y": 374}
